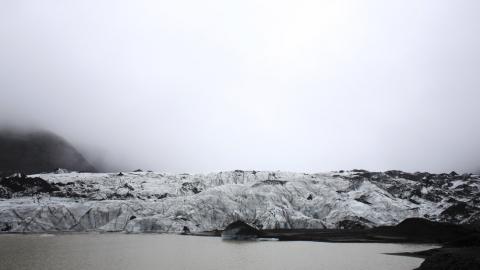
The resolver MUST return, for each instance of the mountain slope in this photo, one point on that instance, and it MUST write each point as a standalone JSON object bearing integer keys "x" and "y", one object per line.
{"x": 36, "y": 152}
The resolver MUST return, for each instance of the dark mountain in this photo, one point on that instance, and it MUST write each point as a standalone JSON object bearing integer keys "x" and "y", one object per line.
{"x": 38, "y": 151}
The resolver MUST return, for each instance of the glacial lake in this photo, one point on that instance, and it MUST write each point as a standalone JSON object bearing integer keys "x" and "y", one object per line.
{"x": 94, "y": 251}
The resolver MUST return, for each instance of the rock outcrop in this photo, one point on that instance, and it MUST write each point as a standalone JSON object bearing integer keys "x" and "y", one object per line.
{"x": 21, "y": 185}
{"x": 240, "y": 230}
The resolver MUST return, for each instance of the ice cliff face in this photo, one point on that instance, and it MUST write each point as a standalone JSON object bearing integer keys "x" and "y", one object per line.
{"x": 159, "y": 202}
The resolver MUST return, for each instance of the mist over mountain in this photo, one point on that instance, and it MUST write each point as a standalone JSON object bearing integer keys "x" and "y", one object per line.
{"x": 179, "y": 86}
{"x": 36, "y": 151}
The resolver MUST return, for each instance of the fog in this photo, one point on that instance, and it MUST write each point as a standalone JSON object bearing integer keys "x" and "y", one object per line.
{"x": 199, "y": 86}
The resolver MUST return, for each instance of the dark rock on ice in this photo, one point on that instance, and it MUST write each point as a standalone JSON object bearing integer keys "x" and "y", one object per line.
{"x": 458, "y": 212}
{"x": 270, "y": 182}
{"x": 161, "y": 196}
{"x": 5, "y": 193}
{"x": 5, "y": 227}
{"x": 129, "y": 187}
{"x": 240, "y": 230}
{"x": 193, "y": 187}
{"x": 185, "y": 230}
{"x": 26, "y": 185}
{"x": 354, "y": 223}
{"x": 363, "y": 199}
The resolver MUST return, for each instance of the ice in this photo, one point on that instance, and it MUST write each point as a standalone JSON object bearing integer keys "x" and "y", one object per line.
{"x": 137, "y": 202}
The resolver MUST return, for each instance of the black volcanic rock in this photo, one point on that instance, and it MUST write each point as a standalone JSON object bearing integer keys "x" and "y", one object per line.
{"x": 453, "y": 259}
{"x": 423, "y": 230}
{"x": 5, "y": 193}
{"x": 354, "y": 223}
{"x": 270, "y": 182}
{"x": 458, "y": 212}
{"x": 240, "y": 230}
{"x": 193, "y": 187}
{"x": 471, "y": 240}
{"x": 36, "y": 152}
{"x": 185, "y": 230}
{"x": 26, "y": 185}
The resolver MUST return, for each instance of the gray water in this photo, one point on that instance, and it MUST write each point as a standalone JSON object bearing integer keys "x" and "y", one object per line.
{"x": 172, "y": 252}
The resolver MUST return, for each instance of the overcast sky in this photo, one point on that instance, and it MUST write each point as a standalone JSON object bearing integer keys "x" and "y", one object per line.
{"x": 198, "y": 86}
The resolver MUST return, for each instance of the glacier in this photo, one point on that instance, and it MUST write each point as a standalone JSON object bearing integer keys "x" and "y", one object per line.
{"x": 141, "y": 202}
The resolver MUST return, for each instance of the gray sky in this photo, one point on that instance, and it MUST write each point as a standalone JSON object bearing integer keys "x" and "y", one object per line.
{"x": 198, "y": 86}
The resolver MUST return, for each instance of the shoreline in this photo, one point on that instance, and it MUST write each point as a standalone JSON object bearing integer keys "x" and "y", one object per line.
{"x": 444, "y": 257}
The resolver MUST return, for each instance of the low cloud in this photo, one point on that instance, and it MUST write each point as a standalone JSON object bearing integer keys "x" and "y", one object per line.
{"x": 198, "y": 87}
